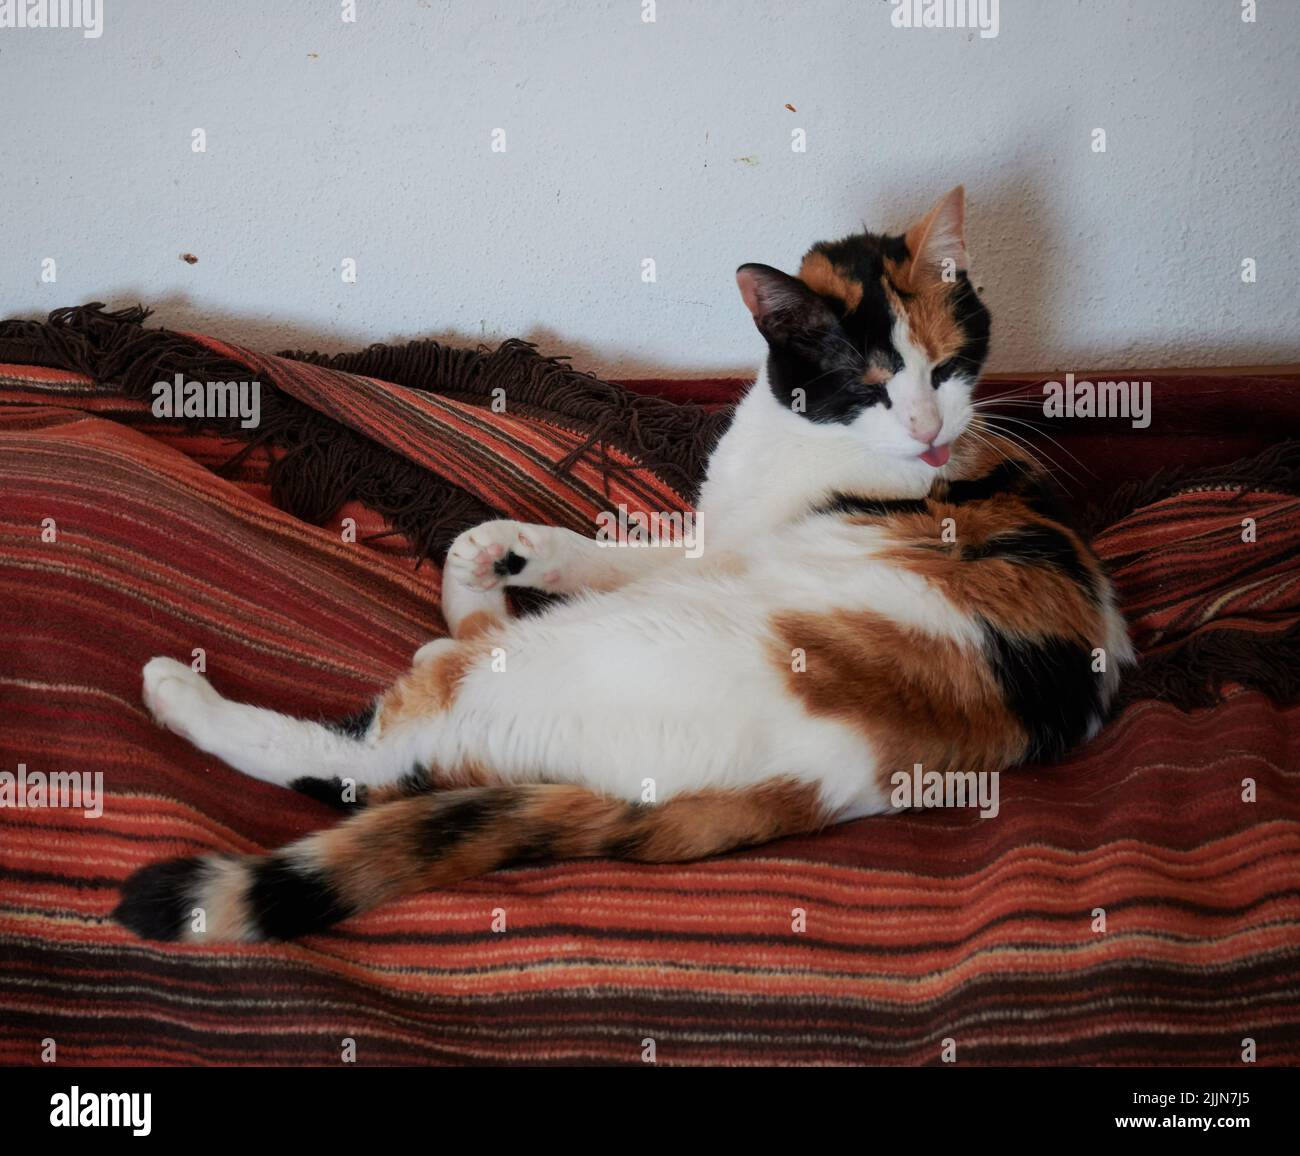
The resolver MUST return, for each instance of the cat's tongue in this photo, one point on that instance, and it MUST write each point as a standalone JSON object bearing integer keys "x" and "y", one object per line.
{"x": 936, "y": 456}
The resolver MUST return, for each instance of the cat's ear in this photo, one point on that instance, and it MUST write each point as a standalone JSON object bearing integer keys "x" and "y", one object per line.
{"x": 936, "y": 244}
{"x": 783, "y": 306}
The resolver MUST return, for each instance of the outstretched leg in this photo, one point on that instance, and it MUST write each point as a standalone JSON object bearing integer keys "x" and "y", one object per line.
{"x": 265, "y": 744}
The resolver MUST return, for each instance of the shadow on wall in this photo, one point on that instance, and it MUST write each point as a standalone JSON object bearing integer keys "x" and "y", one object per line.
{"x": 1018, "y": 260}
{"x": 177, "y": 311}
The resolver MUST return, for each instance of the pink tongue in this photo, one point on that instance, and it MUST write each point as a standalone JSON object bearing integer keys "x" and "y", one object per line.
{"x": 936, "y": 456}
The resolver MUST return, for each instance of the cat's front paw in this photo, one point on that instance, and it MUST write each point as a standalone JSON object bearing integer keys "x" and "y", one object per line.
{"x": 496, "y": 553}
{"x": 176, "y": 696}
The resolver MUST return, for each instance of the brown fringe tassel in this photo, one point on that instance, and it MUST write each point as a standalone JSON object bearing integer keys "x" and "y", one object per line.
{"x": 673, "y": 440}
{"x": 1194, "y": 674}
{"x": 324, "y": 464}
{"x": 1276, "y": 468}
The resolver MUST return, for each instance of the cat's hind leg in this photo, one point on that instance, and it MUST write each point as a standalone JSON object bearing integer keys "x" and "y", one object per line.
{"x": 267, "y": 745}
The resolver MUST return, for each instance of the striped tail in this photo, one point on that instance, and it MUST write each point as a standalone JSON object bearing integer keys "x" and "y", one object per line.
{"x": 431, "y": 840}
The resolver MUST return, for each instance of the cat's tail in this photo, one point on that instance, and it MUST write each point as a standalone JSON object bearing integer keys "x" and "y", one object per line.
{"x": 431, "y": 840}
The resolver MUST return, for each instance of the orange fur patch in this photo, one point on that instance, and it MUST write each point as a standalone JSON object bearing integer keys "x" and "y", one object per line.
{"x": 978, "y": 452}
{"x": 1031, "y": 601}
{"x": 927, "y": 308}
{"x": 692, "y": 826}
{"x": 938, "y": 236}
{"x": 822, "y": 277}
{"x": 917, "y": 698}
{"x": 426, "y": 689}
{"x": 477, "y": 624}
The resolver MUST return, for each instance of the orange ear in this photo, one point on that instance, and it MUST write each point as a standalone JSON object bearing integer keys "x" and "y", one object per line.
{"x": 939, "y": 237}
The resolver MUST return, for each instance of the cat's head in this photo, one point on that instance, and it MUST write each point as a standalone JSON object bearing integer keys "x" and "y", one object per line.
{"x": 883, "y": 335}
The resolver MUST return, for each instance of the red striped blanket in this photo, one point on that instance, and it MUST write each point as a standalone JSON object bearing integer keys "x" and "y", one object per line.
{"x": 1137, "y": 903}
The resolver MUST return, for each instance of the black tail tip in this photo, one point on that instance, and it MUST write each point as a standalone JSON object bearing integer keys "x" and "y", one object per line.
{"x": 158, "y": 900}
{"x": 331, "y": 792}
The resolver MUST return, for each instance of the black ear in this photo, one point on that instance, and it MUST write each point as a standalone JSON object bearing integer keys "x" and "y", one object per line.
{"x": 783, "y": 306}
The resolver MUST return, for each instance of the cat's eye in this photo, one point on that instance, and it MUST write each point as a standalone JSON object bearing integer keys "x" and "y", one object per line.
{"x": 940, "y": 373}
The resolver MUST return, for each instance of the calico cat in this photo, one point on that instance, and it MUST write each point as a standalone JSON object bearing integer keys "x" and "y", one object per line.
{"x": 886, "y": 582}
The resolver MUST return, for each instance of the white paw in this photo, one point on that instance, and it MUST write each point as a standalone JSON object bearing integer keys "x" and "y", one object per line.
{"x": 176, "y": 696}
{"x": 501, "y": 553}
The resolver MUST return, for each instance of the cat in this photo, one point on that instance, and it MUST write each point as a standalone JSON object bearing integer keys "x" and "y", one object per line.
{"x": 887, "y": 582}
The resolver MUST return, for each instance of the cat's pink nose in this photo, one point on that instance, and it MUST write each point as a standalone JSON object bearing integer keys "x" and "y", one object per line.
{"x": 927, "y": 436}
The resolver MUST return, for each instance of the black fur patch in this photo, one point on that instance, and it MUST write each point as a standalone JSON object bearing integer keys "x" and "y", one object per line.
{"x": 630, "y": 843}
{"x": 1005, "y": 478}
{"x": 511, "y": 564}
{"x": 286, "y": 901}
{"x": 330, "y": 792}
{"x": 463, "y": 816}
{"x": 158, "y": 900}
{"x": 976, "y": 326}
{"x": 534, "y": 847}
{"x": 1035, "y": 544}
{"x": 1045, "y": 501}
{"x": 874, "y": 507}
{"x": 625, "y": 847}
{"x": 1049, "y": 685}
{"x": 355, "y": 725}
{"x": 416, "y": 781}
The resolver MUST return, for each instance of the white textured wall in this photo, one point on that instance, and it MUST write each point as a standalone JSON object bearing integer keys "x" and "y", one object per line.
{"x": 670, "y": 140}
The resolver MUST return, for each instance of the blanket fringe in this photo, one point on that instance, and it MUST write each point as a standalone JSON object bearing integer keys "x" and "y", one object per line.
{"x": 675, "y": 440}
{"x": 1194, "y": 674}
{"x": 1277, "y": 469}
{"x": 324, "y": 464}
